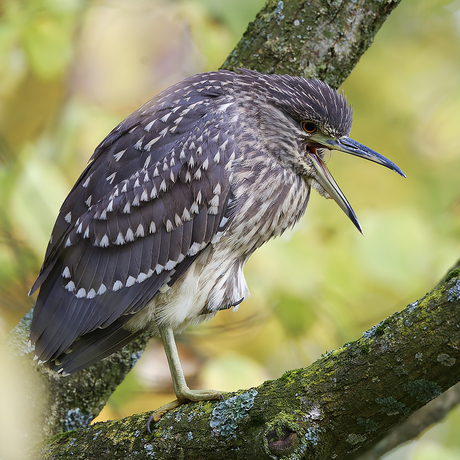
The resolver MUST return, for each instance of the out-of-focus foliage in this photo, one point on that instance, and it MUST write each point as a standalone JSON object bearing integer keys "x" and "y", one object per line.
{"x": 69, "y": 71}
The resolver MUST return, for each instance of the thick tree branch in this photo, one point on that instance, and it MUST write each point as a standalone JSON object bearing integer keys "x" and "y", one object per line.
{"x": 343, "y": 401}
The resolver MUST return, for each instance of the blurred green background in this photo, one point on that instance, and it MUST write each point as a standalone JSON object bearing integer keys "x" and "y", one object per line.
{"x": 70, "y": 71}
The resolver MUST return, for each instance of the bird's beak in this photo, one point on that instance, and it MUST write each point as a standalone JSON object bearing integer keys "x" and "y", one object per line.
{"x": 324, "y": 177}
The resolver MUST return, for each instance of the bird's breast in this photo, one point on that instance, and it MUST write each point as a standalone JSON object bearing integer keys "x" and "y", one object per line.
{"x": 268, "y": 201}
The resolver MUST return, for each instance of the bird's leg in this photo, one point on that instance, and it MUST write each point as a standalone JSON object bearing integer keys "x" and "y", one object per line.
{"x": 183, "y": 392}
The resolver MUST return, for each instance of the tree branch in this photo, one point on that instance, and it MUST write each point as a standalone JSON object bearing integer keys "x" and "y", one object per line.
{"x": 340, "y": 403}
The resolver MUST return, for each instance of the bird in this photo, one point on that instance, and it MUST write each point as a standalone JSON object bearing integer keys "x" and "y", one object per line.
{"x": 155, "y": 233}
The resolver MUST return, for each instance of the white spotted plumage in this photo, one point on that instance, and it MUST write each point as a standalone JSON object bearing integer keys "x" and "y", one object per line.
{"x": 175, "y": 200}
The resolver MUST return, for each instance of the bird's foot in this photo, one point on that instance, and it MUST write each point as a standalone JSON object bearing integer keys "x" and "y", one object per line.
{"x": 186, "y": 395}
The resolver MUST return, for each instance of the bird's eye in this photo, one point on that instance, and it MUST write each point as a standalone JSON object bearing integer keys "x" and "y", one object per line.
{"x": 309, "y": 127}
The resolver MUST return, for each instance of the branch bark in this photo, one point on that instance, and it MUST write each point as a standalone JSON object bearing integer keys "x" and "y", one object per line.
{"x": 321, "y": 39}
{"x": 340, "y": 403}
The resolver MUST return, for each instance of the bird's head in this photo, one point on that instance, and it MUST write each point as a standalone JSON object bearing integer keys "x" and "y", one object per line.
{"x": 316, "y": 117}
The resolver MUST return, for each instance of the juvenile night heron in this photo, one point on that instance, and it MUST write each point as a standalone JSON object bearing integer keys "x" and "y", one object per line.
{"x": 157, "y": 230}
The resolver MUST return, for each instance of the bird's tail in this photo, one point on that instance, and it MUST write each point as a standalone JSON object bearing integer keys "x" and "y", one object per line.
{"x": 93, "y": 347}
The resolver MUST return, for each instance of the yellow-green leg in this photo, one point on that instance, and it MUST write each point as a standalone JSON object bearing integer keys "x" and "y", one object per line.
{"x": 183, "y": 392}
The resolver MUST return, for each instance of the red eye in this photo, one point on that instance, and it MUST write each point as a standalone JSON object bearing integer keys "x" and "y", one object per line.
{"x": 309, "y": 127}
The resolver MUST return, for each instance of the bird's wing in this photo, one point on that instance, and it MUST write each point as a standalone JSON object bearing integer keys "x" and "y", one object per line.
{"x": 128, "y": 227}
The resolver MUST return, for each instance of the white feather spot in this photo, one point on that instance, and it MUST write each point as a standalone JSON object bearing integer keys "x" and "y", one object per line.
{"x": 86, "y": 234}
{"x": 127, "y": 208}
{"x": 68, "y": 217}
{"x": 104, "y": 241}
{"x": 66, "y": 272}
{"x": 88, "y": 201}
{"x": 118, "y": 155}
{"x": 147, "y": 162}
{"x": 188, "y": 177}
{"x": 185, "y": 215}
{"x": 217, "y": 190}
{"x": 148, "y": 146}
{"x": 102, "y": 289}
{"x": 68, "y": 243}
{"x": 224, "y": 107}
{"x": 91, "y": 294}
{"x": 195, "y": 248}
{"x": 205, "y": 164}
{"x": 136, "y": 201}
{"x": 81, "y": 293}
{"x": 164, "y": 119}
{"x": 70, "y": 286}
{"x": 214, "y": 201}
{"x": 170, "y": 264}
{"x": 149, "y": 126}
{"x": 140, "y": 231}
{"x": 110, "y": 178}
{"x": 152, "y": 227}
{"x": 163, "y": 185}
{"x": 145, "y": 195}
{"x": 194, "y": 208}
{"x": 138, "y": 144}
{"x": 130, "y": 281}
{"x": 159, "y": 268}
{"x": 217, "y": 157}
{"x": 85, "y": 184}
{"x": 120, "y": 239}
{"x": 169, "y": 226}
{"x": 197, "y": 175}
{"x": 154, "y": 193}
{"x": 117, "y": 285}
{"x": 129, "y": 235}
{"x": 216, "y": 237}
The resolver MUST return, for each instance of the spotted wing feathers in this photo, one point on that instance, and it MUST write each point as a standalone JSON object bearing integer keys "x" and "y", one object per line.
{"x": 153, "y": 197}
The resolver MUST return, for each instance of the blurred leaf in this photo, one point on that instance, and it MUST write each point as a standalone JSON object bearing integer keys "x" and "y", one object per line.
{"x": 38, "y": 194}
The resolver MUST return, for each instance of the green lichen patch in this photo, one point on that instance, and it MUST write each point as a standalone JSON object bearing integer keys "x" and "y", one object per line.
{"x": 76, "y": 418}
{"x": 368, "y": 424}
{"x": 290, "y": 376}
{"x": 391, "y": 406}
{"x": 227, "y": 414}
{"x": 453, "y": 293}
{"x": 422, "y": 390}
{"x": 354, "y": 438}
{"x": 455, "y": 273}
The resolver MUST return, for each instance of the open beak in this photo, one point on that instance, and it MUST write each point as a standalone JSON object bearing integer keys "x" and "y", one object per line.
{"x": 324, "y": 177}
